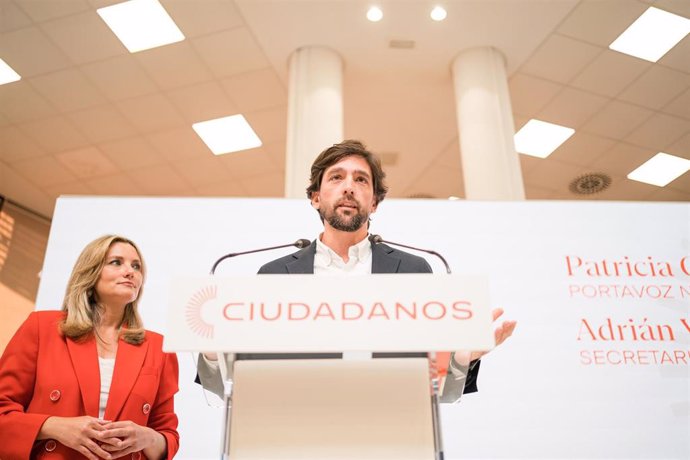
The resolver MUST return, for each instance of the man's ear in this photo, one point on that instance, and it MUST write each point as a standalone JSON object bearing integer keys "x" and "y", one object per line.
{"x": 315, "y": 200}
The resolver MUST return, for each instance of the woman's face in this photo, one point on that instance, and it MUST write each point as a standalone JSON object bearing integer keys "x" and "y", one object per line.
{"x": 121, "y": 276}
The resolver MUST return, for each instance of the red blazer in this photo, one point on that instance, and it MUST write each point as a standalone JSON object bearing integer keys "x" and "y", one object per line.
{"x": 42, "y": 373}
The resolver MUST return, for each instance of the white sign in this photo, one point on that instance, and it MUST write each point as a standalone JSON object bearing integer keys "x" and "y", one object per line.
{"x": 305, "y": 313}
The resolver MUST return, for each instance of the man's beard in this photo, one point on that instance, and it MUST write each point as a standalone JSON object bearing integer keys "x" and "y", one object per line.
{"x": 344, "y": 224}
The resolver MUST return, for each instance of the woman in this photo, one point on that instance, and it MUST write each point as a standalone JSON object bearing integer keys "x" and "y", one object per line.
{"x": 56, "y": 396}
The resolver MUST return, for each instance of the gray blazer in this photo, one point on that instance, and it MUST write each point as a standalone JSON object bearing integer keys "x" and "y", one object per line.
{"x": 384, "y": 260}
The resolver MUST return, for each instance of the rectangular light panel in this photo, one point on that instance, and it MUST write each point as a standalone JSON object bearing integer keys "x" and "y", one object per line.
{"x": 539, "y": 138}
{"x": 652, "y": 35}
{"x": 661, "y": 169}
{"x": 141, "y": 24}
{"x": 227, "y": 134}
{"x": 7, "y": 73}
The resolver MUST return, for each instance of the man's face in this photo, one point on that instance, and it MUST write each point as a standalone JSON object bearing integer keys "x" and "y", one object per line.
{"x": 346, "y": 197}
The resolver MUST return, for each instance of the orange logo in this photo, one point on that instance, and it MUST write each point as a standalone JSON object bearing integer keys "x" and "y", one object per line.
{"x": 196, "y": 303}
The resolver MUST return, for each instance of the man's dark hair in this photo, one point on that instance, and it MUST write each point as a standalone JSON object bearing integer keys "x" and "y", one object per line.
{"x": 337, "y": 152}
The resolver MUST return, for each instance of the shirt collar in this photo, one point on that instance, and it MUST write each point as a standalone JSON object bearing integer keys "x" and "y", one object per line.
{"x": 327, "y": 256}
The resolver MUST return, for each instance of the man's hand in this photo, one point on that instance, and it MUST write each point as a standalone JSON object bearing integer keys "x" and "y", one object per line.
{"x": 502, "y": 332}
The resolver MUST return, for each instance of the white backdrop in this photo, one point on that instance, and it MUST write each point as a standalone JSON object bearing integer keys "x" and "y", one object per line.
{"x": 562, "y": 387}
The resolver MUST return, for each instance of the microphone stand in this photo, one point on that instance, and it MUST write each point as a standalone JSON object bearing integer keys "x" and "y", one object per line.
{"x": 222, "y": 363}
{"x": 376, "y": 239}
{"x": 433, "y": 368}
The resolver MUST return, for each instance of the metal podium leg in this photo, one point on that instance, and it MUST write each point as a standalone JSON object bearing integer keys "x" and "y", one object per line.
{"x": 435, "y": 412}
{"x": 436, "y": 420}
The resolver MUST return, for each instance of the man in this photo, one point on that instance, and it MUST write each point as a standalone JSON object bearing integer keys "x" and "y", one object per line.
{"x": 346, "y": 186}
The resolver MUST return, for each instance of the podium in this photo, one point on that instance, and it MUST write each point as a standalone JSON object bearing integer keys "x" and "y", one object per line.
{"x": 307, "y": 402}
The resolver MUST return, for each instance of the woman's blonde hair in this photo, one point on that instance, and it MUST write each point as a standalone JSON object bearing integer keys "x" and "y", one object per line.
{"x": 81, "y": 305}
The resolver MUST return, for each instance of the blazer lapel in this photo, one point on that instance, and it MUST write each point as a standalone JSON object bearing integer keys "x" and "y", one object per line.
{"x": 84, "y": 358}
{"x": 304, "y": 261}
{"x": 382, "y": 261}
{"x": 128, "y": 363}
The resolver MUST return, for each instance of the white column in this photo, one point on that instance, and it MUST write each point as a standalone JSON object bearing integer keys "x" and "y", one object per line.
{"x": 490, "y": 163}
{"x": 315, "y": 112}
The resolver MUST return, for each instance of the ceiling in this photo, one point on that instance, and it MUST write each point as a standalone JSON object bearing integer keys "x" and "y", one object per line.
{"x": 90, "y": 118}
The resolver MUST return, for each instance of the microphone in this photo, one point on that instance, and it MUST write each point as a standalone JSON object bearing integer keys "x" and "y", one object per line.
{"x": 376, "y": 239}
{"x": 300, "y": 244}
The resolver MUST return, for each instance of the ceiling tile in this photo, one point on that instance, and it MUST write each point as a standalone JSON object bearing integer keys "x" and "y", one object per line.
{"x": 266, "y": 185}
{"x": 677, "y": 57}
{"x": 16, "y": 145}
{"x": 179, "y": 144}
{"x": 680, "y": 7}
{"x": 224, "y": 188}
{"x": 102, "y": 123}
{"x": 601, "y": 22}
{"x": 69, "y": 188}
{"x": 270, "y": 125}
{"x": 623, "y": 189}
{"x": 44, "y": 171}
{"x": 117, "y": 184}
{"x": 560, "y": 59}
{"x": 248, "y": 163}
{"x": 437, "y": 182}
{"x": 30, "y": 53}
{"x": 582, "y": 149}
{"x": 276, "y": 152}
{"x": 659, "y": 131}
{"x": 202, "y": 102}
{"x": 19, "y": 102}
{"x": 12, "y": 17}
{"x": 87, "y": 162}
{"x": 528, "y": 95}
{"x": 16, "y": 187}
{"x": 656, "y": 87}
{"x": 680, "y": 106}
{"x": 54, "y": 134}
{"x": 668, "y": 194}
{"x": 43, "y": 10}
{"x": 120, "y": 78}
{"x": 537, "y": 193}
{"x": 616, "y": 120}
{"x": 68, "y": 90}
{"x": 528, "y": 163}
{"x": 84, "y": 37}
{"x": 260, "y": 89}
{"x": 131, "y": 153}
{"x": 203, "y": 18}
{"x": 203, "y": 171}
{"x": 173, "y": 65}
{"x": 552, "y": 175}
{"x": 681, "y": 147}
{"x": 230, "y": 52}
{"x": 160, "y": 180}
{"x": 572, "y": 107}
{"x": 610, "y": 73}
{"x": 622, "y": 159}
{"x": 150, "y": 113}
{"x": 681, "y": 183}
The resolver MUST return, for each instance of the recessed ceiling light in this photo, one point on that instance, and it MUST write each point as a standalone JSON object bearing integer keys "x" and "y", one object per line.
{"x": 652, "y": 35}
{"x": 7, "y": 73}
{"x": 374, "y": 14}
{"x": 227, "y": 134}
{"x": 438, "y": 13}
{"x": 453, "y": 198}
{"x": 539, "y": 138}
{"x": 661, "y": 169}
{"x": 141, "y": 24}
